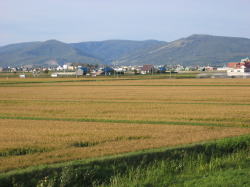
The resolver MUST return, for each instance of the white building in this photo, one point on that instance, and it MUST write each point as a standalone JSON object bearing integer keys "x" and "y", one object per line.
{"x": 54, "y": 75}
{"x": 223, "y": 69}
{"x": 65, "y": 66}
{"x": 22, "y": 76}
{"x": 59, "y": 68}
{"x": 239, "y": 72}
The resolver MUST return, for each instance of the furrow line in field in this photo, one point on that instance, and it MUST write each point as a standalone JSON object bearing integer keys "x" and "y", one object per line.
{"x": 129, "y": 102}
{"x": 120, "y": 121}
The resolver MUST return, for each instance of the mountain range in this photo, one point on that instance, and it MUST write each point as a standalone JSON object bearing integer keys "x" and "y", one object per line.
{"x": 192, "y": 50}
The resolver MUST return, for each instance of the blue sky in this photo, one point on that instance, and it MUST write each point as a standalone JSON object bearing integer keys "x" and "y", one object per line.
{"x": 88, "y": 20}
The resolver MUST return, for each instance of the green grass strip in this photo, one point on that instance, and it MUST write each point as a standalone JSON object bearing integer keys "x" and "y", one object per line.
{"x": 129, "y": 102}
{"x": 84, "y": 172}
{"x": 121, "y": 121}
{"x": 126, "y": 85}
{"x": 81, "y": 80}
{"x": 108, "y": 78}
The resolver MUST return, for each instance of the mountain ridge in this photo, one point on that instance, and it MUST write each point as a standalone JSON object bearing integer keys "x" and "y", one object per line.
{"x": 196, "y": 49}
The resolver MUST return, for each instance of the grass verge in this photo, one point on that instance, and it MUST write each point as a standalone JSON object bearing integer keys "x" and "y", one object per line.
{"x": 227, "y": 156}
{"x": 193, "y": 170}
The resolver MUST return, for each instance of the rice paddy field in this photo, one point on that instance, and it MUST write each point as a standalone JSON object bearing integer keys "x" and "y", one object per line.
{"x": 46, "y": 121}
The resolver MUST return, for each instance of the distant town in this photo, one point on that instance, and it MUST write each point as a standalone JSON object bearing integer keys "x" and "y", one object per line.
{"x": 232, "y": 69}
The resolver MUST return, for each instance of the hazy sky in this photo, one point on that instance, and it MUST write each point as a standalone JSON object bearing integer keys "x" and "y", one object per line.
{"x": 87, "y": 20}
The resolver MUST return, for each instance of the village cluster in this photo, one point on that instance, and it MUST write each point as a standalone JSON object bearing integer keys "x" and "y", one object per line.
{"x": 232, "y": 69}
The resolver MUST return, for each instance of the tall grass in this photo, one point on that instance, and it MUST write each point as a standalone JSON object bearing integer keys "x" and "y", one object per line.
{"x": 189, "y": 171}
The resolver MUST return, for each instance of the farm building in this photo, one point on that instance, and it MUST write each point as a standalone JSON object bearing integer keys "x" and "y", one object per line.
{"x": 239, "y": 68}
{"x": 82, "y": 71}
{"x": 108, "y": 71}
{"x": 162, "y": 69}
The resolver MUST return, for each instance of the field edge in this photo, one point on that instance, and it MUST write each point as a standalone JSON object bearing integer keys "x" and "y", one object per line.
{"x": 101, "y": 168}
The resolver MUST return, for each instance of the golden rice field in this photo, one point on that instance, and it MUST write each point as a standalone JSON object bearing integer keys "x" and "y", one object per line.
{"x": 53, "y": 120}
